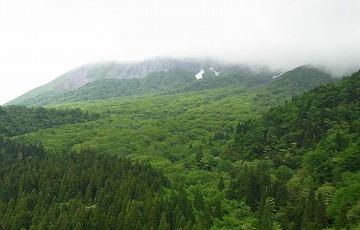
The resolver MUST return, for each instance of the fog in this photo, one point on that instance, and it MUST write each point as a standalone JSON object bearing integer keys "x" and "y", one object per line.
{"x": 40, "y": 40}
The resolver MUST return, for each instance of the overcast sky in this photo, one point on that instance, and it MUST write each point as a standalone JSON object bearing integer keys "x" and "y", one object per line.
{"x": 42, "y": 39}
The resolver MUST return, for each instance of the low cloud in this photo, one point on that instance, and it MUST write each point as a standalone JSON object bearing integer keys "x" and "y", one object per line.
{"x": 44, "y": 38}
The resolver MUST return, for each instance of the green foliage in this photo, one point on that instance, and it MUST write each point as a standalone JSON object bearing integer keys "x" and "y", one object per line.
{"x": 88, "y": 191}
{"x": 318, "y": 130}
{"x": 228, "y": 166}
{"x": 16, "y": 120}
{"x": 154, "y": 83}
{"x": 292, "y": 83}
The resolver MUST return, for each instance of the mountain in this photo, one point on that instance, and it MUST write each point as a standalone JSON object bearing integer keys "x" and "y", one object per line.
{"x": 292, "y": 83}
{"x": 109, "y": 70}
{"x": 165, "y": 75}
{"x": 159, "y": 75}
{"x": 222, "y": 156}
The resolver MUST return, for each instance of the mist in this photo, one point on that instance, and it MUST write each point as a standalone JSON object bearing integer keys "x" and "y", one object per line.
{"x": 283, "y": 35}
{"x": 43, "y": 39}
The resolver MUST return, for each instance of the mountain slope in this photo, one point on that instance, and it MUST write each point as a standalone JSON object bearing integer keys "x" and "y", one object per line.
{"x": 110, "y": 80}
{"x": 87, "y": 191}
{"x": 207, "y": 109}
{"x": 108, "y": 70}
{"x": 164, "y": 82}
{"x": 314, "y": 141}
{"x": 292, "y": 83}
{"x": 103, "y": 81}
{"x": 16, "y": 120}
{"x": 186, "y": 135}
{"x": 306, "y": 119}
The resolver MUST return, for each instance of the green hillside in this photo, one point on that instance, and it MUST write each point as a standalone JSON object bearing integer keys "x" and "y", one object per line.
{"x": 164, "y": 82}
{"x": 83, "y": 75}
{"x": 159, "y": 82}
{"x": 16, "y": 120}
{"x": 225, "y": 179}
{"x": 87, "y": 191}
{"x": 305, "y": 158}
{"x": 292, "y": 83}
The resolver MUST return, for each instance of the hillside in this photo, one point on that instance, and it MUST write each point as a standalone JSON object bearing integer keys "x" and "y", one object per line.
{"x": 209, "y": 109}
{"x": 293, "y": 83}
{"x": 83, "y": 75}
{"x": 313, "y": 142}
{"x": 186, "y": 135}
{"x": 87, "y": 191}
{"x": 161, "y": 82}
{"x": 108, "y": 81}
{"x": 16, "y": 120}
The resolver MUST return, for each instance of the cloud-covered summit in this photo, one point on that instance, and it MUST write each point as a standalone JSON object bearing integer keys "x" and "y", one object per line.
{"x": 42, "y": 39}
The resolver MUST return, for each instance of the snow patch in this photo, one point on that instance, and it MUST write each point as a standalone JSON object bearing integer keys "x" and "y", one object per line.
{"x": 216, "y": 73}
{"x": 199, "y": 75}
{"x": 278, "y": 75}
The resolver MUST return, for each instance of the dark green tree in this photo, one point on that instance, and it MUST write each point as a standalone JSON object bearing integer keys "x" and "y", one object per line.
{"x": 266, "y": 213}
{"x": 133, "y": 216}
{"x": 199, "y": 201}
{"x": 221, "y": 184}
{"x": 164, "y": 225}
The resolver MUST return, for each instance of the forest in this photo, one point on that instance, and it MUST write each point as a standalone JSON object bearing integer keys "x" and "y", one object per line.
{"x": 280, "y": 155}
{"x": 86, "y": 191}
{"x": 17, "y": 119}
{"x": 159, "y": 82}
{"x": 314, "y": 138}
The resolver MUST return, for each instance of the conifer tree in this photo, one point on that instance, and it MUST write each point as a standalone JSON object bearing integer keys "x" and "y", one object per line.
{"x": 164, "y": 225}
{"x": 133, "y": 216}
{"x": 199, "y": 201}
{"x": 221, "y": 184}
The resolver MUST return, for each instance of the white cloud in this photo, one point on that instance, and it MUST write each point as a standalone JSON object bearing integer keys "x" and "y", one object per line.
{"x": 42, "y": 39}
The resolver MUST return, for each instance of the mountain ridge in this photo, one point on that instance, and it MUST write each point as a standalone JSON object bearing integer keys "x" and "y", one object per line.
{"x": 159, "y": 75}
{"x": 81, "y": 76}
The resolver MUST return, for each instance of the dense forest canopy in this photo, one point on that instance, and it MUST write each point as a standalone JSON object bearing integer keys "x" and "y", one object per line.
{"x": 16, "y": 120}
{"x": 157, "y": 82}
{"x": 212, "y": 159}
{"x": 86, "y": 191}
{"x": 311, "y": 144}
